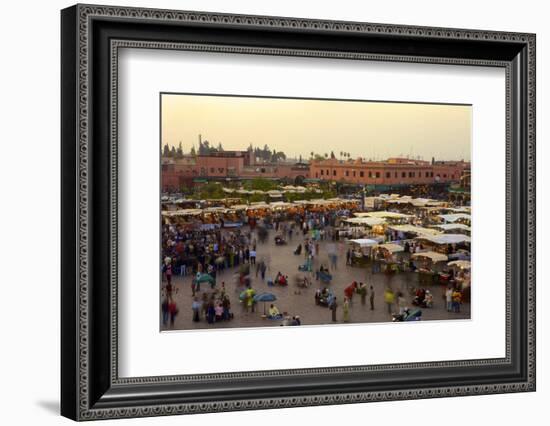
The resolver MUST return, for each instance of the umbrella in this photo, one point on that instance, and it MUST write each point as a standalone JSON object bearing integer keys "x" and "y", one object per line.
{"x": 243, "y": 294}
{"x": 265, "y": 297}
{"x": 206, "y": 278}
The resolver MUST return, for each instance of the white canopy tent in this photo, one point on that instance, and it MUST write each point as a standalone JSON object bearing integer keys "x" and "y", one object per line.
{"x": 451, "y": 226}
{"x": 418, "y": 230}
{"x": 454, "y": 217}
{"x": 239, "y": 207}
{"x": 464, "y": 209}
{"x": 364, "y": 242}
{"x": 462, "y": 264}
{"x": 385, "y": 215}
{"x": 182, "y": 212}
{"x": 258, "y": 205}
{"x": 275, "y": 194}
{"x": 446, "y": 238}
{"x": 365, "y": 221}
{"x": 432, "y": 255}
{"x": 244, "y": 192}
{"x": 215, "y": 210}
{"x": 392, "y": 248}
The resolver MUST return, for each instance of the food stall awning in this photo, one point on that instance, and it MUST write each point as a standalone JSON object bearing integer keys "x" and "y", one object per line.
{"x": 364, "y": 242}
{"x": 387, "y": 215}
{"x": 239, "y": 207}
{"x": 398, "y": 201}
{"x": 462, "y": 264}
{"x": 215, "y": 210}
{"x": 418, "y": 230}
{"x": 451, "y": 226}
{"x": 454, "y": 217}
{"x": 432, "y": 255}
{"x": 392, "y": 248}
{"x": 423, "y": 202}
{"x": 279, "y": 204}
{"x": 446, "y": 238}
{"x": 182, "y": 212}
{"x": 366, "y": 221}
{"x": 258, "y": 205}
{"x": 319, "y": 202}
{"x": 463, "y": 209}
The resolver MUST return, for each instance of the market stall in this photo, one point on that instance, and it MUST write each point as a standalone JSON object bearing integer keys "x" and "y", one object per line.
{"x": 391, "y": 256}
{"x": 361, "y": 250}
{"x": 428, "y": 266}
{"x": 445, "y": 243}
{"x": 455, "y": 228}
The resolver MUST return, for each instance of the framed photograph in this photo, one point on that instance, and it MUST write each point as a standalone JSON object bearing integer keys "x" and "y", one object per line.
{"x": 265, "y": 212}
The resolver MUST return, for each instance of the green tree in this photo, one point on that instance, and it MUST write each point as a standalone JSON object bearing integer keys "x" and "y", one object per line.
{"x": 254, "y": 198}
{"x": 212, "y": 190}
{"x": 261, "y": 184}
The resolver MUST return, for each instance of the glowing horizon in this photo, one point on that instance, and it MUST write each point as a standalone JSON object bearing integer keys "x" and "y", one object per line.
{"x": 367, "y": 129}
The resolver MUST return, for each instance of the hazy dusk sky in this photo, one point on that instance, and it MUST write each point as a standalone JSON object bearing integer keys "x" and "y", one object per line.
{"x": 295, "y": 126}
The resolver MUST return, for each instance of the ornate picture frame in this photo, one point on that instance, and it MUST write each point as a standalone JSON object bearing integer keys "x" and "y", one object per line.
{"x": 91, "y": 38}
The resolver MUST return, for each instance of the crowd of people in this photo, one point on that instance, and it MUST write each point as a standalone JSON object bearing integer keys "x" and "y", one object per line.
{"x": 212, "y": 251}
{"x": 208, "y": 250}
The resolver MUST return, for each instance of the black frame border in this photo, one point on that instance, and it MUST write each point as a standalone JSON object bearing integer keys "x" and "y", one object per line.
{"x": 90, "y": 388}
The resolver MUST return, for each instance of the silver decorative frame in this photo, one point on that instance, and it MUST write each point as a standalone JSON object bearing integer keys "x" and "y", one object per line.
{"x": 88, "y": 409}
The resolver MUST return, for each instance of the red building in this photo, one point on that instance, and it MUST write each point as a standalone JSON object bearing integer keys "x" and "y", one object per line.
{"x": 226, "y": 164}
{"x": 241, "y": 164}
{"x": 394, "y": 171}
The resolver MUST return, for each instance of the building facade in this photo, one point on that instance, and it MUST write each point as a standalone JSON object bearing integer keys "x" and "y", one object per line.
{"x": 242, "y": 165}
{"x": 224, "y": 165}
{"x": 394, "y": 171}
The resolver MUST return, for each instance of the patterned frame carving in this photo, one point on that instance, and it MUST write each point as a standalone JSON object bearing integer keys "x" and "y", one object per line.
{"x": 85, "y": 14}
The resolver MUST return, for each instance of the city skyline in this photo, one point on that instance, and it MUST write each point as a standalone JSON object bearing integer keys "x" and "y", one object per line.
{"x": 391, "y": 129}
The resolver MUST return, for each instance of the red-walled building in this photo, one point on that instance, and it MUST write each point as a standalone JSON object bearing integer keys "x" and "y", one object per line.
{"x": 241, "y": 164}
{"x": 394, "y": 171}
{"x": 226, "y": 164}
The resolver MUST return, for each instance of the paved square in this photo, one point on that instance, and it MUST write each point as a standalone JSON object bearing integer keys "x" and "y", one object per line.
{"x": 292, "y": 300}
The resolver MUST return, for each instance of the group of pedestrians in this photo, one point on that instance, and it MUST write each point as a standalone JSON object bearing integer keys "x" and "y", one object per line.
{"x": 213, "y": 308}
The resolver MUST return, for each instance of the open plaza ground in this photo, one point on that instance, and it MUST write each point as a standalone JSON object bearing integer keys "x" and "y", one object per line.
{"x": 293, "y": 300}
